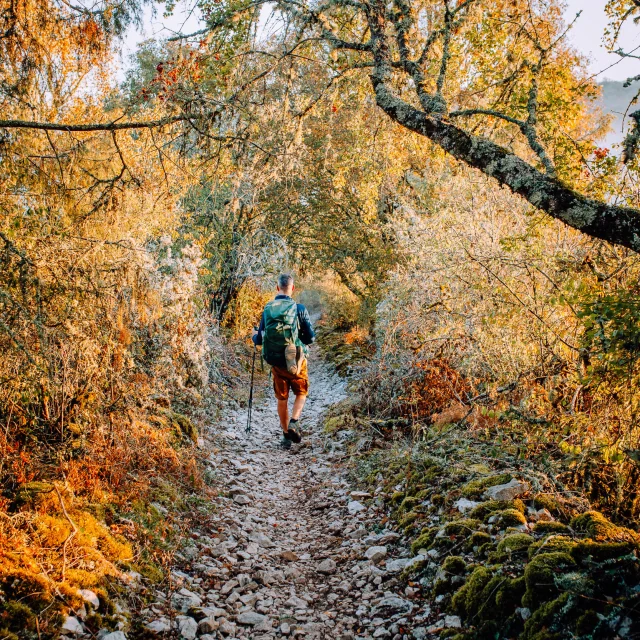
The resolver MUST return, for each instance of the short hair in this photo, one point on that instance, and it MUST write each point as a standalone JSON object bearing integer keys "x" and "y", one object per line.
{"x": 285, "y": 280}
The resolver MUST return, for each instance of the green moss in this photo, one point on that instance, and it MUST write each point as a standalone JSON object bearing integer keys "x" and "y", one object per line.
{"x": 437, "y": 499}
{"x": 464, "y": 527}
{"x": 184, "y": 425}
{"x": 408, "y": 504}
{"x": 600, "y": 551}
{"x": 487, "y": 508}
{"x": 454, "y": 565}
{"x": 17, "y": 616}
{"x": 540, "y": 577}
{"x": 540, "y": 625}
{"x": 552, "y": 544}
{"x": 594, "y": 525}
{"x": 587, "y": 623}
{"x": 424, "y": 540}
{"x": 549, "y": 502}
{"x": 515, "y": 544}
{"x": 423, "y": 495}
{"x": 508, "y": 518}
{"x": 441, "y": 587}
{"x": 509, "y": 595}
{"x": 408, "y": 519}
{"x": 397, "y": 497}
{"x": 468, "y": 598}
{"x": 5, "y": 634}
{"x": 477, "y": 539}
{"x": 550, "y": 527}
{"x": 28, "y": 492}
{"x": 476, "y": 488}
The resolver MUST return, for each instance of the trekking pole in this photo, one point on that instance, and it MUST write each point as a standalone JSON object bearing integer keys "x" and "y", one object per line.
{"x": 250, "y": 406}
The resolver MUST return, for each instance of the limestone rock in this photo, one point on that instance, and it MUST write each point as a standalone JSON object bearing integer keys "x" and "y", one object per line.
{"x": 391, "y": 606}
{"x": 376, "y": 554}
{"x": 355, "y": 507}
{"x": 72, "y": 625}
{"x": 327, "y": 566}
{"x": 188, "y": 628}
{"x": 464, "y": 504}
{"x": 90, "y": 597}
{"x": 510, "y": 491}
{"x": 241, "y": 499}
{"x": 251, "y": 618}
{"x": 158, "y": 626}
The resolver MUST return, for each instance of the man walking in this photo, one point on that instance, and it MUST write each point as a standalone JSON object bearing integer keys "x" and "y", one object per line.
{"x": 284, "y": 333}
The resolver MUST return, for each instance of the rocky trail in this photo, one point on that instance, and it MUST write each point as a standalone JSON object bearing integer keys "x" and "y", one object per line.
{"x": 294, "y": 550}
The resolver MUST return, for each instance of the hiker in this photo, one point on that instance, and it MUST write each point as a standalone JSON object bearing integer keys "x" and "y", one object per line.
{"x": 285, "y": 331}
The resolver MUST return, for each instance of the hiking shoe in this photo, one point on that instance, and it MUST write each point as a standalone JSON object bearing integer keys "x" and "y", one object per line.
{"x": 293, "y": 435}
{"x": 290, "y": 357}
{"x": 285, "y": 443}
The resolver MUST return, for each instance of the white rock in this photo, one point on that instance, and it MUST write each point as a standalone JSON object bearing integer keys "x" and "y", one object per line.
{"x": 227, "y": 628}
{"x": 158, "y": 626}
{"x": 241, "y": 499}
{"x": 509, "y": 491}
{"x": 262, "y": 540}
{"x": 72, "y": 625}
{"x": 398, "y": 565}
{"x": 295, "y": 603}
{"x": 188, "y": 628}
{"x": 381, "y": 632}
{"x": 285, "y": 629}
{"x": 452, "y": 622}
{"x": 463, "y": 505}
{"x": 184, "y": 599}
{"x": 388, "y": 537}
{"x": 114, "y": 635}
{"x": 355, "y": 507}
{"x": 250, "y": 618}
{"x": 327, "y": 566}
{"x": 89, "y": 596}
{"x": 391, "y": 605}
{"x": 207, "y": 625}
{"x": 376, "y": 554}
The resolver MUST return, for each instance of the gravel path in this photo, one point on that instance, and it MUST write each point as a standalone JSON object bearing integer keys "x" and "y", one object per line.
{"x": 293, "y": 551}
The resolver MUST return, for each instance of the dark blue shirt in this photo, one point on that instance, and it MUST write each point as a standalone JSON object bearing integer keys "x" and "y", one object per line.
{"x": 305, "y": 333}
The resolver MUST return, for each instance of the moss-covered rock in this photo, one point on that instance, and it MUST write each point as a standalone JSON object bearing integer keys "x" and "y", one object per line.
{"x": 540, "y": 577}
{"x": 408, "y": 504}
{"x": 594, "y": 525}
{"x": 455, "y": 565}
{"x": 485, "y": 509}
{"x": 549, "y": 502}
{"x": 507, "y": 518}
{"x": 518, "y": 543}
{"x": 552, "y": 544}
{"x": 464, "y": 527}
{"x": 550, "y": 527}
{"x": 476, "y": 488}
{"x": 541, "y": 625}
{"x": 477, "y": 540}
{"x": 424, "y": 540}
{"x": 468, "y": 598}
{"x": 600, "y": 551}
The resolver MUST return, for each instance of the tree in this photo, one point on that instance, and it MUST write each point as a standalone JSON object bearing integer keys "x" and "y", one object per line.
{"x": 480, "y": 79}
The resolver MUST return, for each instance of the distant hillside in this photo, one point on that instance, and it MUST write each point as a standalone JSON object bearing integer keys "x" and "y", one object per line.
{"x": 615, "y": 100}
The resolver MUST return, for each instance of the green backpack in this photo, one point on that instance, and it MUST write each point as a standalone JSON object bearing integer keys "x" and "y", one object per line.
{"x": 281, "y": 328}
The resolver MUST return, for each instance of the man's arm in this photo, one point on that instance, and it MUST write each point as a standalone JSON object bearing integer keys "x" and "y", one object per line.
{"x": 306, "y": 334}
{"x": 257, "y": 337}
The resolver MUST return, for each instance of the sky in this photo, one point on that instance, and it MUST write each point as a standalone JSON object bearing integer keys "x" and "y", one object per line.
{"x": 586, "y": 36}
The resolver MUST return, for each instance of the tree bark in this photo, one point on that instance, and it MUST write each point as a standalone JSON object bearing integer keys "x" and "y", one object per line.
{"x": 618, "y": 225}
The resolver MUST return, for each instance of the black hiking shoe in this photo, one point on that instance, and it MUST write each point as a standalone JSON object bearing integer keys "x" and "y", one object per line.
{"x": 292, "y": 433}
{"x": 285, "y": 443}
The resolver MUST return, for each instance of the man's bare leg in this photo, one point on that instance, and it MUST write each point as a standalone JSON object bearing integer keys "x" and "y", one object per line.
{"x": 298, "y": 405}
{"x": 283, "y": 414}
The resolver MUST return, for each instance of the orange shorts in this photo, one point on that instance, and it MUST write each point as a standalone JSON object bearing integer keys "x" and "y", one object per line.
{"x": 283, "y": 381}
